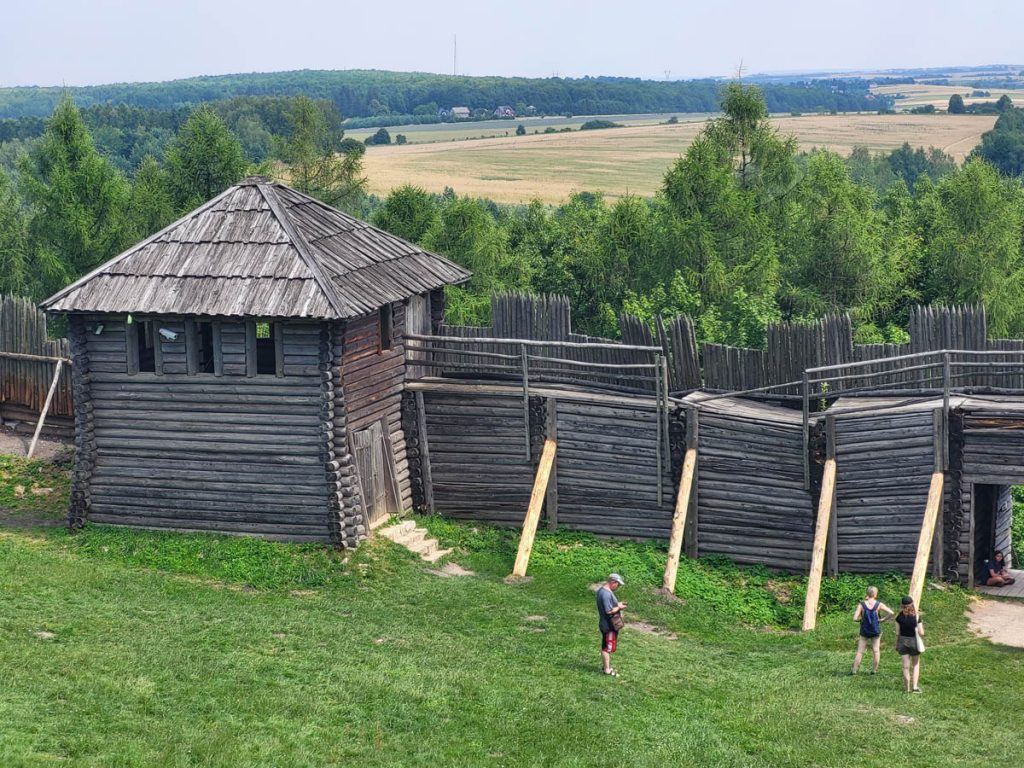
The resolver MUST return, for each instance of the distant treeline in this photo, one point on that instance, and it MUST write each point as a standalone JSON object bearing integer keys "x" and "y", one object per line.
{"x": 370, "y": 93}
{"x": 126, "y": 134}
{"x": 745, "y": 230}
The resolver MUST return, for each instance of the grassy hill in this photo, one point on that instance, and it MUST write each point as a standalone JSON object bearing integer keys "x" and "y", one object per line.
{"x": 131, "y": 648}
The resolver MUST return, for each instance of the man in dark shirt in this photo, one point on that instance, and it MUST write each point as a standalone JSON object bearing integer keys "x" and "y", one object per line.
{"x": 607, "y": 606}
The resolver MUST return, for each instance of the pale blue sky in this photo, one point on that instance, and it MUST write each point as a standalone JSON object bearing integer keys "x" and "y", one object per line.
{"x": 83, "y": 42}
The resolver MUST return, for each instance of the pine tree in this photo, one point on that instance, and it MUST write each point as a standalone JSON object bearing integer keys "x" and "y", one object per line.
{"x": 76, "y": 200}
{"x": 203, "y": 160}
{"x": 14, "y": 267}
{"x": 150, "y": 206}
{"x": 316, "y": 164}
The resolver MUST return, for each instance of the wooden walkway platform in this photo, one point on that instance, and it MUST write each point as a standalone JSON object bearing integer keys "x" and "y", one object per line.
{"x": 1014, "y": 590}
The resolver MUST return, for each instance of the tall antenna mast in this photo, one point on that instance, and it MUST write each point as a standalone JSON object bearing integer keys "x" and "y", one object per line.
{"x": 455, "y": 55}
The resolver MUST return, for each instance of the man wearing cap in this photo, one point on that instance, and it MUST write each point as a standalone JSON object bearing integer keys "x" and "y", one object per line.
{"x": 608, "y": 606}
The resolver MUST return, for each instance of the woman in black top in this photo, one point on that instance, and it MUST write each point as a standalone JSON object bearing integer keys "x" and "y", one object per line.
{"x": 906, "y": 643}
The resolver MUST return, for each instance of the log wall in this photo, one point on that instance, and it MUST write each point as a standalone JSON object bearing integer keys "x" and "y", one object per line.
{"x": 606, "y": 469}
{"x": 884, "y": 465}
{"x": 200, "y": 452}
{"x": 751, "y": 503}
{"x": 992, "y": 439}
{"x": 478, "y": 464}
{"x": 374, "y": 380}
{"x": 1004, "y": 524}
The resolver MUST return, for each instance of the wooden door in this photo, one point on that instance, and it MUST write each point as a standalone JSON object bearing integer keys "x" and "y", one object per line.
{"x": 370, "y": 454}
{"x": 417, "y": 321}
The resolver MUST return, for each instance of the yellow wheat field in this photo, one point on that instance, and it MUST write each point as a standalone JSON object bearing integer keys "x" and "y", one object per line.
{"x": 630, "y": 160}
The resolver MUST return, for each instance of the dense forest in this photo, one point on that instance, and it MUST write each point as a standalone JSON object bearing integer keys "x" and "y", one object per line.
{"x": 372, "y": 93}
{"x": 745, "y": 230}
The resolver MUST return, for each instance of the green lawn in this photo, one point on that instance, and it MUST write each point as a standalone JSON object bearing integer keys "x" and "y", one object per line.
{"x": 172, "y": 650}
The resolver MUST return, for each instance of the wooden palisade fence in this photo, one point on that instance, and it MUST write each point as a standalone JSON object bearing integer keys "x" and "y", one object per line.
{"x": 27, "y": 360}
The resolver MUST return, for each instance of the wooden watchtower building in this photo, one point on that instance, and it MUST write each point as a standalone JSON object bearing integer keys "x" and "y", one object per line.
{"x": 242, "y": 370}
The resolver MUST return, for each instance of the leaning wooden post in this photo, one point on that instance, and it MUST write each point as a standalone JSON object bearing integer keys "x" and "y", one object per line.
{"x": 46, "y": 408}
{"x": 924, "y": 543}
{"x": 675, "y": 542}
{"x": 540, "y": 486}
{"x": 828, "y": 488}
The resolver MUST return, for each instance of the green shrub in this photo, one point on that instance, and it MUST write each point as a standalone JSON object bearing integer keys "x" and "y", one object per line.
{"x": 595, "y": 125}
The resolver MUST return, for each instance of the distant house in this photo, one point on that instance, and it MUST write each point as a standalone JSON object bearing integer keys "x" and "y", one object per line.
{"x": 505, "y": 112}
{"x": 460, "y": 113}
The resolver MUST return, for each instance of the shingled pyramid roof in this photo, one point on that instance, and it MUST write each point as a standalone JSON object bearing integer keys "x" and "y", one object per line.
{"x": 261, "y": 249}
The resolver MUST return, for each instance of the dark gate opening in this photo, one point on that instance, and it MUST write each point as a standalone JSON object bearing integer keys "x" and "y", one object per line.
{"x": 992, "y": 526}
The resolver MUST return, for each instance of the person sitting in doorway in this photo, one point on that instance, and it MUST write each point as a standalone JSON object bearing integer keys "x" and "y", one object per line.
{"x": 996, "y": 574}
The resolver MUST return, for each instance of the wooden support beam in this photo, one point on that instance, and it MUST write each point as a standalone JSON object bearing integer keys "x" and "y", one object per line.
{"x": 540, "y": 485}
{"x": 218, "y": 351}
{"x": 924, "y": 543}
{"x": 46, "y": 407}
{"x": 675, "y": 542}
{"x": 428, "y": 479}
{"x": 832, "y": 546}
{"x": 692, "y": 524}
{"x": 250, "y": 348}
{"x": 828, "y": 488}
{"x": 939, "y": 437}
{"x": 524, "y": 362}
{"x": 658, "y": 412}
{"x": 551, "y": 503}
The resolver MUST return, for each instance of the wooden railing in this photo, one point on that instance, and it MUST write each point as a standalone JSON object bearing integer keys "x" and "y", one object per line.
{"x": 615, "y": 367}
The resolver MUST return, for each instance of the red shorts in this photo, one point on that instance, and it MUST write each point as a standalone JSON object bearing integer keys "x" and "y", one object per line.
{"x": 608, "y": 641}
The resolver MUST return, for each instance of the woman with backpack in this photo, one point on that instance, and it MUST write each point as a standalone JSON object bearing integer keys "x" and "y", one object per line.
{"x": 910, "y": 643}
{"x": 870, "y": 628}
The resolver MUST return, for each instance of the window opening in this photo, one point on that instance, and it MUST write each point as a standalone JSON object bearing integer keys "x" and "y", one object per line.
{"x": 146, "y": 346}
{"x": 385, "y": 324}
{"x": 266, "y": 351}
{"x": 204, "y": 356}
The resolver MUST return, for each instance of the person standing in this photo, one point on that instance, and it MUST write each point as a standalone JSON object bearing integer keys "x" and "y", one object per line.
{"x": 609, "y": 614}
{"x": 908, "y": 645}
{"x": 867, "y": 613}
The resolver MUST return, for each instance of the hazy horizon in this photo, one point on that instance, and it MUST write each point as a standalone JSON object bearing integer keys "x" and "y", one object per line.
{"x": 73, "y": 43}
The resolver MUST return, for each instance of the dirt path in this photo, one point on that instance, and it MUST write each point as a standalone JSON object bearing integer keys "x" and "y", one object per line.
{"x": 16, "y": 444}
{"x": 1000, "y": 621}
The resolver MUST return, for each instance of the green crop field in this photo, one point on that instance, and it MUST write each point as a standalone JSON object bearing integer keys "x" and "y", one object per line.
{"x": 133, "y": 648}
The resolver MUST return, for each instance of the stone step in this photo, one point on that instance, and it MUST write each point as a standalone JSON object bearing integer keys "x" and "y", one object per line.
{"x": 437, "y": 555}
{"x": 410, "y": 539}
{"x": 415, "y": 539}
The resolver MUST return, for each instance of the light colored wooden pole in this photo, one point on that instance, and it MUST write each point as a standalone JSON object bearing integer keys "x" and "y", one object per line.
{"x": 46, "y": 408}
{"x": 675, "y": 542}
{"x": 828, "y": 488}
{"x": 924, "y": 543}
{"x": 540, "y": 486}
